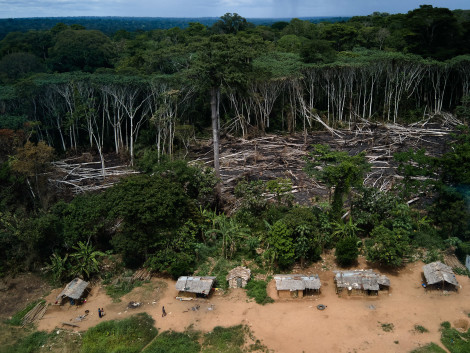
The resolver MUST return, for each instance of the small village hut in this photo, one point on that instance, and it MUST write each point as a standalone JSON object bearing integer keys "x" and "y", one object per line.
{"x": 296, "y": 285}
{"x": 360, "y": 282}
{"x": 439, "y": 276}
{"x": 238, "y": 277}
{"x": 194, "y": 286}
{"x": 74, "y": 290}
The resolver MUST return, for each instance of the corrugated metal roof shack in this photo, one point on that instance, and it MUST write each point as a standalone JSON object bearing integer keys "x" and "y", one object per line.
{"x": 297, "y": 285}
{"x": 238, "y": 277}
{"x": 360, "y": 282}
{"x": 439, "y": 276}
{"x": 195, "y": 286}
{"x": 76, "y": 289}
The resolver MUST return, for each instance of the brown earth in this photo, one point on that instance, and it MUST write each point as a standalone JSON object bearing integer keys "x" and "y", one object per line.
{"x": 294, "y": 325}
{"x": 17, "y": 292}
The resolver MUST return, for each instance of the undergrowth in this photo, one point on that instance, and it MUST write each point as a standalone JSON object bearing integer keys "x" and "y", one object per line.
{"x": 130, "y": 335}
{"x": 18, "y": 317}
{"x": 453, "y": 340}
{"x": 257, "y": 289}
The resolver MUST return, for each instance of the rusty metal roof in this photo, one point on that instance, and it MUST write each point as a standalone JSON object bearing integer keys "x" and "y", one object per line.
{"x": 74, "y": 289}
{"x": 360, "y": 279}
{"x": 294, "y": 282}
{"x": 437, "y": 272}
{"x": 195, "y": 284}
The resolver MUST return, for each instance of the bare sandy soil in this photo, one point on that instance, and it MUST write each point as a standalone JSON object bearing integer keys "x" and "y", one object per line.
{"x": 351, "y": 324}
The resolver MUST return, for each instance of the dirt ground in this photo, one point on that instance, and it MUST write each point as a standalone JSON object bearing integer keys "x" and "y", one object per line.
{"x": 295, "y": 325}
{"x": 26, "y": 287}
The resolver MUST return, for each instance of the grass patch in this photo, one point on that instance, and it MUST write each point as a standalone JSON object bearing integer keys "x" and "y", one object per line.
{"x": 257, "y": 289}
{"x": 124, "y": 336}
{"x": 453, "y": 340}
{"x": 387, "y": 327}
{"x": 116, "y": 291}
{"x": 175, "y": 342}
{"x": 18, "y": 317}
{"x": 227, "y": 340}
{"x": 429, "y": 348}
{"x": 27, "y": 344}
{"x": 421, "y": 329}
{"x": 63, "y": 341}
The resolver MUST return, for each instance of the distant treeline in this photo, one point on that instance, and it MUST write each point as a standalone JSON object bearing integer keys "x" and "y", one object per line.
{"x": 110, "y": 25}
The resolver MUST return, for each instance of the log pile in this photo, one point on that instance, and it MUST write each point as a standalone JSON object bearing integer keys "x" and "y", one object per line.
{"x": 273, "y": 156}
{"x": 87, "y": 175}
{"x": 35, "y": 314}
{"x": 141, "y": 275}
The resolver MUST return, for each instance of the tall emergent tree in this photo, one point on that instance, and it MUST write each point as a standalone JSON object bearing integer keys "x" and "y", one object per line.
{"x": 221, "y": 61}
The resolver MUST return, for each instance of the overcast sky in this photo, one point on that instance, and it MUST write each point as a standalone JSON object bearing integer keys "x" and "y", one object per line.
{"x": 214, "y": 8}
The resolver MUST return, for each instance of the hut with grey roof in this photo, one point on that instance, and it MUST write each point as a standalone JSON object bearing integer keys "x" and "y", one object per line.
{"x": 194, "y": 286}
{"x": 238, "y": 277}
{"x": 297, "y": 285}
{"x": 360, "y": 282}
{"x": 439, "y": 276}
{"x": 75, "y": 290}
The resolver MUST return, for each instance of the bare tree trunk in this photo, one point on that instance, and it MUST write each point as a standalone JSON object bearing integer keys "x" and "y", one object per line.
{"x": 215, "y": 134}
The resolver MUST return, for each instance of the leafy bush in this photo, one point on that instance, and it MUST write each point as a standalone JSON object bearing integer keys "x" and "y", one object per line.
{"x": 174, "y": 342}
{"x": 421, "y": 329}
{"x": 453, "y": 340}
{"x": 123, "y": 336}
{"x": 429, "y": 348}
{"x": 387, "y": 247}
{"x": 227, "y": 340}
{"x": 116, "y": 291}
{"x": 257, "y": 289}
{"x": 346, "y": 251}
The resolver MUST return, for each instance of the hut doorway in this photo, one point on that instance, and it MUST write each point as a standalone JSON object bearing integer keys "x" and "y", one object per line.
{"x": 239, "y": 282}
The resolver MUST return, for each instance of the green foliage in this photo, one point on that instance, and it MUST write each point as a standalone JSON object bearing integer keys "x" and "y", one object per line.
{"x": 338, "y": 170}
{"x": 257, "y": 289}
{"x": 174, "y": 342}
{"x": 85, "y": 260}
{"x": 453, "y": 340}
{"x": 29, "y": 344}
{"x": 282, "y": 188}
{"x": 346, "y": 251}
{"x": 282, "y": 248}
{"x": 128, "y": 335}
{"x": 421, "y": 329}
{"x": 387, "y": 247}
{"x": 227, "y": 340}
{"x": 432, "y": 256}
{"x": 387, "y": 327}
{"x": 429, "y": 348}
{"x": 121, "y": 288}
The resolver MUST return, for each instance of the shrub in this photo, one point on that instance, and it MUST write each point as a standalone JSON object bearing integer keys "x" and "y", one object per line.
{"x": 29, "y": 344}
{"x": 257, "y": 289}
{"x": 174, "y": 342}
{"x": 346, "y": 251}
{"x": 128, "y": 335}
{"x": 227, "y": 340}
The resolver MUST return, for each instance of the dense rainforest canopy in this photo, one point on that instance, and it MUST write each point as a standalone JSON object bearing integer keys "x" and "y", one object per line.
{"x": 145, "y": 95}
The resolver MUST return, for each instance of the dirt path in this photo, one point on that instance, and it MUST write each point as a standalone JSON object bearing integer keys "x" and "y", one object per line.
{"x": 346, "y": 325}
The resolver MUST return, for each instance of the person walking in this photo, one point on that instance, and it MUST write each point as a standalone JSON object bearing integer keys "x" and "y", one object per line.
{"x": 163, "y": 311}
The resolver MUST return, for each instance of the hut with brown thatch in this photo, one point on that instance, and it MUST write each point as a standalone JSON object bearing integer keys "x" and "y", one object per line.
{"x": 439, "y": 276}
{"x": 297, "y": 285}
{"x": 360, "y": 282}
{"x": 75, "y": 290}
{"x": 238, "y": 277}
{"x": 195, "y": 286}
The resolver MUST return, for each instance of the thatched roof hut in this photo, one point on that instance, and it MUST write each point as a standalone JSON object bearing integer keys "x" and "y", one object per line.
{"x": 437, "y": 273}
{"x": 74, "y": 290}
{"x": 238, "y": 277}
{"x": 360, "y": 281}
{"x": 201, "y": 285}
{"x": 289, "y": 285}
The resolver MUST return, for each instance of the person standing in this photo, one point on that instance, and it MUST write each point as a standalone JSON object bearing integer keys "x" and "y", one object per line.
{"x": 163, "y": 311}
{"x": 99, "y": 313}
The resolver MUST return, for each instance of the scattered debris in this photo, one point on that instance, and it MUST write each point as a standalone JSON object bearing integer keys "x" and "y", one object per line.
{"x": 321, "y": 307}
{"x": 133, "y": 305}
{"x": 69, "y": 324}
